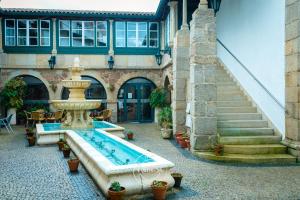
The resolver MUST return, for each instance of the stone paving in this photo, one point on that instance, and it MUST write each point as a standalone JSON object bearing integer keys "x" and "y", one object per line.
{"x": 42, "y": 173}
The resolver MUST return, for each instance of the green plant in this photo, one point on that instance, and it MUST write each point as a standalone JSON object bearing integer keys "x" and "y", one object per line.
{"x": 66, "y": 147}
{"x": 165, "y": 117}
{"x": 61, "y": 140}
{"x": 129, "y": 132}
{"x": 115, "y": 186}
{"x": 13, "y": 93}
{"x": 158, "y": 183}
{"x": 158, "y": 98}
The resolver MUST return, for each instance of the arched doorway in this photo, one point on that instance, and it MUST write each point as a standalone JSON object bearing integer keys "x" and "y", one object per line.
{"x": 37, "y": 94}
{"x": 95, "y": 91}
{"x": 168, "y": 90}
{"x": 133, "y": 101}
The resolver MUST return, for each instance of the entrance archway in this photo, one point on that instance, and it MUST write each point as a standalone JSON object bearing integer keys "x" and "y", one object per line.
{"x": 133, "y": 101}
{"x": 95, "y": 91}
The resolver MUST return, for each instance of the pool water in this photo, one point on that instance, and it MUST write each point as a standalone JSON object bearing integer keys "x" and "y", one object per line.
{"x": 57, "y": 126}
{"x": 116, "y": 152}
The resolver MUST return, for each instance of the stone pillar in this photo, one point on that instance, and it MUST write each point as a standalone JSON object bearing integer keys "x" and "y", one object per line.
{"x": 203, "y": 62}
{"x": 181, "y": 72}
{"x": 1, "y": 41}
{"x": 292, "y": 77}
{"x": 111, "y": 38}
{"x": 113, "y": 106}
{"x": 184, "y": 15}
{"x": 172, "y": 5}
{"x": 54, "y": 48}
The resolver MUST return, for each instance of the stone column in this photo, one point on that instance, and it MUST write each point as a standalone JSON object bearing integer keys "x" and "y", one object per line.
{"x": 292, "y": 77}
{"x": 54, "y": 48}
{"x": 1, "y": 41}
{"x": 181, "y": 72}
{"x": 111, "y": 38}
{"x": 203, "y": 62}
{"x": 112, "y": 105}
{"x": 184, "y": 15}
{"x": 172, "y": 6}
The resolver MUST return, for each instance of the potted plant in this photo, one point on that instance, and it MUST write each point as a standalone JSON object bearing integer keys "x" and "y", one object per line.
{"x": 157, "y": 100}
{"x": 177, "y": 178}
{"x": 165, "y": 121}
{"x": 182, "y": 141}
{"x": 29, "y": 132}
{"x": 73, "y": 164}
{"x": 130, "y": 135}
{"x": 116, "y": 191}
{"x": 66, "y": 151}
{"x": 178, "y": 136}
{"x": 219, "y": 150}
{"x": 31, "y": 140}
{"x": 12, "y": 96}
{"x": 188, "y": 144}
{"x": 61, "y": 143}
{"x": 159, "y": 189}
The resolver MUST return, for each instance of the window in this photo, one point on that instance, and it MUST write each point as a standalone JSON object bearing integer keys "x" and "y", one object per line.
{"x": 64, "y": 33}
{"x": 27, "y": 33}
{"x": 167, "y": 30}
{"x": 153, "y": 34}
{"x": 120, "y": 34}
{"x": 83, "y": 34}
{"x": 45, "y": 33}
{"x": 136, "y": 34}
{"x": 10, "y": 32}
{"x": 102, "y": 34}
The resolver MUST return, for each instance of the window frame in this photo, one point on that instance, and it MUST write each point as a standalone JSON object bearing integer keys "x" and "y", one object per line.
{"x": 96, "y": 35}
{"x": 69, "y": 37}
{"x": 125, "y": 34}
{"x": 137, "y": 32}
{"x": 14, "y": 36}
{"x": 83, "y": 33}
{"x": 27, "y": 37}
{"x": 49, "y": 35}
{"x": 158, "y": 35}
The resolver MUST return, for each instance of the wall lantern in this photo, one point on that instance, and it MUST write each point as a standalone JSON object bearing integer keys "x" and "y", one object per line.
{"x": 52, "y": 62}
{"x": 111, "y": 62}
{"x": 158, "y": 55}
{"x": 215, "y": 4}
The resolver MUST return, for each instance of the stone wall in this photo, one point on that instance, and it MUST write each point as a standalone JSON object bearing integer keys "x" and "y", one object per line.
{"x": 292, "y": 77}
{"x": 202, "y": 78}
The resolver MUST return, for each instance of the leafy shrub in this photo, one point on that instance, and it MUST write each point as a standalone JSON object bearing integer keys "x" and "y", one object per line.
{"x": 158, "y": 98}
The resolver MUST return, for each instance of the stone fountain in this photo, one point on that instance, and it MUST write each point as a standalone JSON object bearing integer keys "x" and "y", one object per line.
{"x": 76, "y": 105}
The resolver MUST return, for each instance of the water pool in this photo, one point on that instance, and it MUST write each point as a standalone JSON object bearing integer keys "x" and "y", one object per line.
{"x": 96, "y": 124}
{"x": 114, "y": 151}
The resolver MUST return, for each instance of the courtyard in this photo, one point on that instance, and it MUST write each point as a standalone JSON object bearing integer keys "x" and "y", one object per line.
{"x": 41, "y": 172}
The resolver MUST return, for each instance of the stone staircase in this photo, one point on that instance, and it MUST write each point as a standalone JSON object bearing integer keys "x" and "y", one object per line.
{"x": 246, "y": 136}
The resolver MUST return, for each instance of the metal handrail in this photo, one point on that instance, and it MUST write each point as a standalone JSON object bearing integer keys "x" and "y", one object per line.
{"x": 252, "y": 75}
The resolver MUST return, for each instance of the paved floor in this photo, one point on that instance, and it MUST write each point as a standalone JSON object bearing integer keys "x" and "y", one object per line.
{"x": 42, "y": 173}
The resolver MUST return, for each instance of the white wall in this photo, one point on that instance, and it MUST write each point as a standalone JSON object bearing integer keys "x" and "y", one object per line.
{"x": 254, "y": 32}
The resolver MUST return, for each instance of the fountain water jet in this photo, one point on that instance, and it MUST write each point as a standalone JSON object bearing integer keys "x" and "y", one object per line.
{"x": 76, "y": 105}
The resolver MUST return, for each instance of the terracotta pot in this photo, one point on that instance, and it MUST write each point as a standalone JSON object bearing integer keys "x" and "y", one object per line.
{"x": 130, "y": 136}
{"x": 219, "y": 150}
{"x": 159, "y": 193}
{"x": 113, "y": 195}
{"x": 73, "y": 164}
{"x": 177, "y": 177}
{"x": 182, "y": 143}
{"x": 60, "y": 145}
{"x": 66, "y": 152}
{"x": 31, "y": 141}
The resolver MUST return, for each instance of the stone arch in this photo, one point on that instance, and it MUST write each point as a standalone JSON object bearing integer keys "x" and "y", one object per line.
{"x": 35, "y": 74}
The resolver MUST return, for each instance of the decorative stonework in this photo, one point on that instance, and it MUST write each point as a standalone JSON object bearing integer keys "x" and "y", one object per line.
{"x": 292, "y": 81}
{"x": 202, "y": 78}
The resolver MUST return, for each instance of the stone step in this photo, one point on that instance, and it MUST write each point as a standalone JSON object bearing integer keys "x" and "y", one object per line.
{"x": 239, "y": 116}
{"x": 229, "y": 97}
{"x": 233, "y": 103}
{"x": 227, "y": 83}
{"x": 256, "y": 149}
{"x": 227, "y": 88}
{"x": 236, "y": 110}
{"x": 245, "y": 131}
{"x": 265, "y": 139}
{"x": 223, "y": 78}
{"x": 243, "y": 124}
{"x": 249, "y": 159}
{"x": 224, "y": 92}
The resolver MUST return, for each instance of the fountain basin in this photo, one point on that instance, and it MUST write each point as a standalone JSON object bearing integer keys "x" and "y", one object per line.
{"x": 79, "y": 84}
{"x": 136, "y": 176}
{"x": 71, "y": 104}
